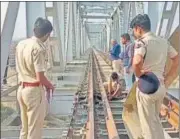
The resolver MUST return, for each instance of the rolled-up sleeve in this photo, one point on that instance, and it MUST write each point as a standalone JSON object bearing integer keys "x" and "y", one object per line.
{"x": 38, "y": 60}
{"x": 140, "y": 51}
{"x": 171, "y": 51}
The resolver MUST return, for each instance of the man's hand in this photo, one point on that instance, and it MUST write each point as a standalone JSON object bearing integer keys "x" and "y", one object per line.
{"x": 49, "y": 90}
{"x": 144, "y": 71}
{"x": 50, "y": 86}
{"x": 44, "y": 81}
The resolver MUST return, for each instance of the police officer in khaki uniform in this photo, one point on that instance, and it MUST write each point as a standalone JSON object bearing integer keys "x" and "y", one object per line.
{"x": 150, "y": 55}
{"x": 30, "y": 65}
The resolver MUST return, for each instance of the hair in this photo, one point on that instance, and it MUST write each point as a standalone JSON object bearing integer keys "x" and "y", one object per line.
{"x": 42, "y": 27}
{"x": 126, "y": 36}
{"x": 114, "y": 40}
{"x": 114, "y": 76}
{"x": 142, "y": 21}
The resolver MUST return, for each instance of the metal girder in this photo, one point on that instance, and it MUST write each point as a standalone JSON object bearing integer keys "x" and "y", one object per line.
{"x": 60, "y": 14}
{"x": 68, "y": 50}
{"x": 95, "y": 17}
{"x": 95, "y": 23}
{"x": 7, "y": 34}
{"x": 133, "y": 6}
{"x": 33, "y": 11}
{"x": 82, "y": 39}
{"x": 105, "y": 11}
{"x": 153, "y": 9}
{"x": 115, "y": 11}
{"x": 49, "y": 11}
{"x": 93, "y": 32}
{"x": 78, "y": 33}
{"x": 108, "y": 38}
{"x": 56, "y": 8}
{"x": 125, "y": 19}
{"x": 167, "y": 14}
{"x": 73, "y": 23}
{"x": 94, "y": 3}
{"x": 94, "y": 27}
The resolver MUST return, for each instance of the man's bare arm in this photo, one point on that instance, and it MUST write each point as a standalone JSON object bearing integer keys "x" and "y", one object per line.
{"x": 43, "y": 80}
{"x": 171, "y": 75}
{"x": 117, "y": 90}
{"x": 137, "y": 65}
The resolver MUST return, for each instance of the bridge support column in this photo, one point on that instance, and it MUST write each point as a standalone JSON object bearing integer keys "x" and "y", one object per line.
{"x": 82, "y": 40}
{"x": 126, "y": 11}
{"x": 7, "y": 34}
{"x": 78, "y": 33}
{"x": 68, "y": 43}
{"x": 153, "y": 12}
{"x": 57, "y": 26}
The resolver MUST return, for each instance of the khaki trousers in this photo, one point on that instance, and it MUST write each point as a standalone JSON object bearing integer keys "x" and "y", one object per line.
{"x": 33, "y": 109}
{"x": 148, "y": 111}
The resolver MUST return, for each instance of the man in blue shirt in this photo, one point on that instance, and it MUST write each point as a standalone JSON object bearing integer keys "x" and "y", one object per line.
{"x": 126, "y": 56}
{"x": 114, "y": 53}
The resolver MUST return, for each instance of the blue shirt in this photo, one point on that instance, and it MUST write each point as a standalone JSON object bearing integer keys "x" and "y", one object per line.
{"x": 115, "y": 51}
{"x": 127, "y": 55}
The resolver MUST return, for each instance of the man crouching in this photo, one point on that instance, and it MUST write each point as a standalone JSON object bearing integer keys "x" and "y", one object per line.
{"x": 114, "y": 87}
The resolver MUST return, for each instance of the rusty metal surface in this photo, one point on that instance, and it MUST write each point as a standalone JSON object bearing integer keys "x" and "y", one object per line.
{"x": 110, "y": 124}
{"x": 90, "y": 124}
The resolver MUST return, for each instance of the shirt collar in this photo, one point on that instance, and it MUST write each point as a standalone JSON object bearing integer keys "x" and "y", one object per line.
{"x": 39, "y": 41}
{"x": 147, "y": 34}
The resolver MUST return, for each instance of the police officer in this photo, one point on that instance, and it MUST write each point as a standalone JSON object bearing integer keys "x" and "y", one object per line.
{"x": 30, "y": 65}
{"x": 150, "y": 55}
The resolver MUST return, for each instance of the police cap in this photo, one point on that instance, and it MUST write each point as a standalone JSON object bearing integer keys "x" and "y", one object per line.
{"x": 148, "y": 83}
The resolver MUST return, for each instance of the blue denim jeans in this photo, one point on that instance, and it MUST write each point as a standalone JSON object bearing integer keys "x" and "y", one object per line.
{"x": 128, "y": 78}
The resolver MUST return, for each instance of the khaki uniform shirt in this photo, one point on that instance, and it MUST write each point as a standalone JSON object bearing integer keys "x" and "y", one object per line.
{"x": 30, "y": 58}
{"x": 157, "y": 50}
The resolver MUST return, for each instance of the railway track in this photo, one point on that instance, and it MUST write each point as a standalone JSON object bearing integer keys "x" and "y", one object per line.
{"x": 169, "y": 113}
{"x": 94, "y": 117}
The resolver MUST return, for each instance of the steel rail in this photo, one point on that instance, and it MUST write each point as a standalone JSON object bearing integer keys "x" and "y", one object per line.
{"x": 70, "y": 130}
{"x": 90, "y": 123}
{"x": 110, "y": 123}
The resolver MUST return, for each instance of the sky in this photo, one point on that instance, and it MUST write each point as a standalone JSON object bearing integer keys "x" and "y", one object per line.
{"x": 20, "y": 27}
